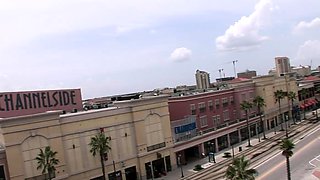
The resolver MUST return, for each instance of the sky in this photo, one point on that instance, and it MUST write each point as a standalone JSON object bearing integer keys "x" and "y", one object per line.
{"x": 109, "y": 47}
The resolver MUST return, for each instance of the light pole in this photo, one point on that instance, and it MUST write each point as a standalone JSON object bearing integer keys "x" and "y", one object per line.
{"x": 180, "y": 164}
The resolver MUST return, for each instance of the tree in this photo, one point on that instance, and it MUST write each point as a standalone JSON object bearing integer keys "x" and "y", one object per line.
{"x": 292, "y": 96}
{"x": 100, "y": 145}
{"x": 239, "y": 170}
{"x": 287, "y": 146}
{"x": 258, "y": 101}
{"x": 279, "y": 95}
{"x": 46, "y": 161}
{"x": 246, "y": 106}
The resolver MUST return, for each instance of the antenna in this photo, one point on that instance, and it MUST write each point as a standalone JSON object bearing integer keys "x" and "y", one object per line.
{"x": 234, "y": 68}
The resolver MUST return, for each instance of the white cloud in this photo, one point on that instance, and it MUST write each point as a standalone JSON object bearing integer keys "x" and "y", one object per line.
{"x": 310, "y": 50}
{"x": 303, "y": 25}
{"x": 22, "y": 21}
{"x": 181, "y": 54}
{"x": 244, "y": 34}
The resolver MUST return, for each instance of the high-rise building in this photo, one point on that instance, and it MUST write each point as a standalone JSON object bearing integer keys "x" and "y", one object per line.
{"x": 203, "y": 79}
{"x": 282, "y": 65}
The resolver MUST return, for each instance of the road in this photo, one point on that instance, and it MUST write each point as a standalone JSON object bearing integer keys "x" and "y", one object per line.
{"x": 306, "y": 149}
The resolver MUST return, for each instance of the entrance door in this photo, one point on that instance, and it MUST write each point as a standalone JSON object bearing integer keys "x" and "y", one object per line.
{"x": 131, "y": 173}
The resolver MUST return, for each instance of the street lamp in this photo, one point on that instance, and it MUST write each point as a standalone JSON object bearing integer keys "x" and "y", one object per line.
{"x": 180, "y": 164}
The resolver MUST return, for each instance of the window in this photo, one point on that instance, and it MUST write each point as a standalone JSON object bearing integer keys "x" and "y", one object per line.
{"x": 214, "y": 120}
{"x": 225, "y": 102}
{"x": 210, "y": 104}
{"x": 202, "y": 107}
{"x": 193, "y": 109}
{"x": 217, "y": 103}
{"x": 226, "y": 116}
{"x": 243, "y": 97}
{"x": 251, "y": 95}
{"x": 231, "y": 100}
{"x": 218, "y": 118}
{"x": 203, "y": 121}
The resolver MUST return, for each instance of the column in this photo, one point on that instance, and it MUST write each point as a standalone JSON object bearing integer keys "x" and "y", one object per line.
{"x": 228, "y": 138}
{"x": 201, "y": 147}
{"x": 239, "y": 135}
{"x": 216, "y": 144}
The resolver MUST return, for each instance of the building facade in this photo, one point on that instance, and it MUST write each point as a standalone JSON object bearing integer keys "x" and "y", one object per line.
{"x": 202, "y": 79}
{"x": 282, "y": 65}
{"x": 139, "y": 132}
{"x": 206, "y": 122}
{"x": 247, "y": 74}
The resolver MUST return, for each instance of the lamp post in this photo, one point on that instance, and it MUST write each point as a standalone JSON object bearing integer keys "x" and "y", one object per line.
{"x": 180, "y": 164}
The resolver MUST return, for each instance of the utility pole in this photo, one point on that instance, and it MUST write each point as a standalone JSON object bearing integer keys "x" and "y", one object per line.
{"x": 234, "y": 68}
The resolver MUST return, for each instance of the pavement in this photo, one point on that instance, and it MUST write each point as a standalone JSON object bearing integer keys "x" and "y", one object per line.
{"x": 187, "y": 169}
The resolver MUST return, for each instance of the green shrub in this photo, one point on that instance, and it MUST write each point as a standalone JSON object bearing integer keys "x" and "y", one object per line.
{"x": 197, "y": 167}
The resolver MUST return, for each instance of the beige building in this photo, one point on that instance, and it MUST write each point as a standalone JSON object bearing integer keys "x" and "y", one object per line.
{"x": 202, "y": 79}
{"x": 265, "y": 87}
{"x": 282, "y": 65}
{"x": 140, "y": 133}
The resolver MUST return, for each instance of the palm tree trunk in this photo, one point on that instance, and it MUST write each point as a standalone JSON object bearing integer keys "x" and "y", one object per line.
{"x": 293, "y": 118}
{"x": 262, "y": 126}
{"x": 102, "y": 165}
{"x": 280, "y": 117}
{"x": 249, "y": 144}
{"x": 288, "y": 168}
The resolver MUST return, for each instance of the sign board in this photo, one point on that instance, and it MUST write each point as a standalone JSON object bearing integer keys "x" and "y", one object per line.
{"x": 31, "y": 102}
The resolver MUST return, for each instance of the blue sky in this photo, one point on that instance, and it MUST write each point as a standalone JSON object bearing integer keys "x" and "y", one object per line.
{"x": 110, "y": 47}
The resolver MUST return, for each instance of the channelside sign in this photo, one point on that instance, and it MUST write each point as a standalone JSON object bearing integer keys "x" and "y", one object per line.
{"x": 31, "y": 102}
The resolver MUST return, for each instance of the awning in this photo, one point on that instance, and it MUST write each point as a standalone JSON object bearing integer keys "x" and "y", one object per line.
{"x": 301, "y": 106}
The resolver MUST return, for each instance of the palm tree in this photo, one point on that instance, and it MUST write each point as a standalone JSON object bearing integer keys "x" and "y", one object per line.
{"x": 279, "y": 95}
{"x": 238, "y": 170}
{"x": 304, "y": 94}
{"x": 46, "y": 161}
{"x": 287, "y": 146}
{"x": 100, "y": 145}
{"x": 246, "y": 106}
{"x": 292, "y": 96}
{"x": 259, "y": 103}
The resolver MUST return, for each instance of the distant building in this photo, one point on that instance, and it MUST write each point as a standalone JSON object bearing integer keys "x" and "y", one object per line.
{"x": 301, "y": 70}
{"x": 202, "y": 79}
{"x": 224, "y": 79}
{"x": 247, "y": 74}
{"x": 282, "y": 65}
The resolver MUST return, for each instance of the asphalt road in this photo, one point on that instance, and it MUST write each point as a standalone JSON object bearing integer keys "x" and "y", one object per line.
{"x": 306, "y": 149}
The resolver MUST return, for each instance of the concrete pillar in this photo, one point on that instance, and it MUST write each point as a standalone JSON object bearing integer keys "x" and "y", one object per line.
{"x": 201, "y": 149}
{"x": 239, "y": 135}
{"x": 228, "y": 138}
{"x": 216, "y": 144}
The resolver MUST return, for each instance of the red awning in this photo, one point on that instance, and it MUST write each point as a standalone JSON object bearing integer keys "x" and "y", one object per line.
{"x": 302, "y": 106}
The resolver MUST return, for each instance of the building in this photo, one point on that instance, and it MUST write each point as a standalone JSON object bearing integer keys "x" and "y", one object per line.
{"x": 266, "y": 86}
{"x": 138, "y": 129}
{"x": 247, "y": 74}
{"x": 207, "y": 122}
{"x": 301, "y": 71}
{"x": 202, "y": 79}
{"x": 282, "y": 65}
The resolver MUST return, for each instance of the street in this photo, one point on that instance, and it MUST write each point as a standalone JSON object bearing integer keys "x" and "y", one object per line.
{"x": 306, "y": 149}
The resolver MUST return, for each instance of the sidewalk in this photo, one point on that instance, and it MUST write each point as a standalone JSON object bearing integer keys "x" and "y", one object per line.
{"x": 204, "y": 162}
{"x": 176, "y": 173}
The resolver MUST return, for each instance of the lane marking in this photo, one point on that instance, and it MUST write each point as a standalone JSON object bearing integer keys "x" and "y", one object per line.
{"x": 284, "y": 161}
